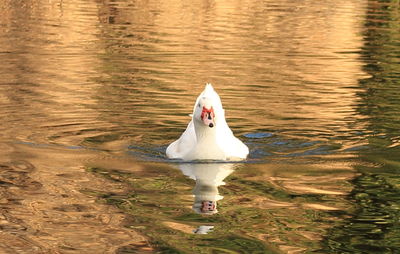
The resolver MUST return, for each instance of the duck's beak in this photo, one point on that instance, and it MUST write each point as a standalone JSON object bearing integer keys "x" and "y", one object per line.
{"x": 207, "y": 115}
{"x": 208, "y": 206}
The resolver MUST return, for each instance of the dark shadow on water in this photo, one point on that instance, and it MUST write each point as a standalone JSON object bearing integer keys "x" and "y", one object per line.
{"x": 262, "y": 146}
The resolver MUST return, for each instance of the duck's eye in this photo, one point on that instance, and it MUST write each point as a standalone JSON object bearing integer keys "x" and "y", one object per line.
{"x": 198, "y": 105}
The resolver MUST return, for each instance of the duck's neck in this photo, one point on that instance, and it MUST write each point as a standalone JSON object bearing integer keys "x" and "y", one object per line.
{"x": 205, "y": 133}
{"x": 207, "y": 147}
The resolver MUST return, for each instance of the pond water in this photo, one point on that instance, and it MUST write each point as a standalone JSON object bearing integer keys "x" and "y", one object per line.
{"x": 92, "y": 92}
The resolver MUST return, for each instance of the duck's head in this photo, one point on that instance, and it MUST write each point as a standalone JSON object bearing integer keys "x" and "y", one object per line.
{"x": 208, "y": 107}
{"x": 206, "y": 207}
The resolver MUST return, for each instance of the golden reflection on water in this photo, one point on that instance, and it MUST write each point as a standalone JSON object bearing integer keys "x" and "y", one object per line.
{"x": 301, "y": 64}
{"x": 104, "y": 74}
{"x": 49, "y": 48}
{"x": 45, "y": 206}
{"x": 135, "y": 59}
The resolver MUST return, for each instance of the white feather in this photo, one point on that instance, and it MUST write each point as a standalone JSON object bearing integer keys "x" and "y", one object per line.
{"x": 200, "y": 142}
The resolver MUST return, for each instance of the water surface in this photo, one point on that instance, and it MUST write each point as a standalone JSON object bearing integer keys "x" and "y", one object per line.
{"x": 92, "y": 92}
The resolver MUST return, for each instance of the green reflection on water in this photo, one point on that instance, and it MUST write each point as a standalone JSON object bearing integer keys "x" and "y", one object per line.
{"x": 374, "y": 225}
{"x": 255, "y": 217}
{"x": 148, "y": 217}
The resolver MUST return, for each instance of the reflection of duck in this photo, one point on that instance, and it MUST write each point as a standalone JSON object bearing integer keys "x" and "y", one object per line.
{"x": 208, "y": 177}
{"x": 203, "y": 230}
{"x": 208, "y": 136}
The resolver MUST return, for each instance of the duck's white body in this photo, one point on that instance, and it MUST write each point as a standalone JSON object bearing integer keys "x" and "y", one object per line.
{"x": 207, "y": 136}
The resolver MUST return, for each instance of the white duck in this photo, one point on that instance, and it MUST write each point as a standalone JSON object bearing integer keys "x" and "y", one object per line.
{"x": 207, "y": 136}
{"x": 208, "y": 177}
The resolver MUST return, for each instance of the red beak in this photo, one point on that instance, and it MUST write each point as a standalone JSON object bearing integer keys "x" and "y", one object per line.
{"x": 208, "y": 206}
{"x": 207, "y": 115}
